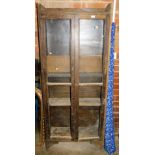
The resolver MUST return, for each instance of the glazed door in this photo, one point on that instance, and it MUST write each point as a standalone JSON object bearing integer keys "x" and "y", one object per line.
{"x": 60, "y": 77}
{"x": 91, "y": 55}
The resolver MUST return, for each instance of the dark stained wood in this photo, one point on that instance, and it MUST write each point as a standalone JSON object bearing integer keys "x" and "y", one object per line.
{"x": 59, "y": 102}
{"x": 64, "y": 13}
{"x": 88, "y": 133}
{"x": 101, "y": 111}
{"x": 58, "y": 64}
{"x": 58, "y": 84}
{"x": 60, "y": 116}
{"x": 88, "y": 116}
{"x": 93, "y": 15}
{"x": 61, "y": 77}
{"x": 76, "y": 79}
{"x": 88, "y": 123}
{"x": 41, "y": 126}
{"x": 73, "y": 110}
{"x": 56, "y": 91}
{"x": 59, "y": 91}
{"x": 42, "y": 46}
{"x": 90, "y": 77}
{"x": 89, "y": 102}
{"x": 91, "y": 63}
{"x": 90, "y": 84}
{"x": 60, "y": 133}
{"x": 93, "y": 66}
{"x": 89, "y": 91}
{"x": 89, "y": 138}
{"x": 72, "y": 69}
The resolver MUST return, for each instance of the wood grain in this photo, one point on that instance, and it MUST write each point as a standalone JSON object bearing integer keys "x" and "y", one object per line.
{"x": 90, "y": 84}
{"x": 59, "y": 102}
{"x": 62, "y": 64}
{"x": 58, "y": 84}
{"x": 60, "y": 133}
{"x": 82, "y": 114}
{"x": 89, "y": 102}
{"x": 42, "y": 45}
{"x": 88, "y": 133}
{"x": 58, "y": 64}
{"x": 91, "y": 63}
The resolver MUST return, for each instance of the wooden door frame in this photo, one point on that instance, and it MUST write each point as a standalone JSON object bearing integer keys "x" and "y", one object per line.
{"x": 106, "y": 16}
{"x": 43, "y": 51}
{"x": 42, "y": 47}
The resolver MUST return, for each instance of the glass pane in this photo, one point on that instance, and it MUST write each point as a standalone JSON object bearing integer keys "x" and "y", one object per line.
{"x": 88, "y": 122}
{"x": 91, "y": 37}
{"x": 59, "y": 92}
{"x": 58, "y": 50}
{"x": 90, "y": 92}
{"x": 60, "y": 122}
{"x": 58, "y": 37}
{"x": 59, "y": 77}
{"x": 91, "y": 50}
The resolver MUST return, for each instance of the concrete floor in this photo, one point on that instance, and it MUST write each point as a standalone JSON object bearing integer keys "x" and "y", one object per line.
{"x": 75, "y": 148}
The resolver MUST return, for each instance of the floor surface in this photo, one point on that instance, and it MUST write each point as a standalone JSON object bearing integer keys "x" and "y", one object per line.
{"x": 75, "y": 148}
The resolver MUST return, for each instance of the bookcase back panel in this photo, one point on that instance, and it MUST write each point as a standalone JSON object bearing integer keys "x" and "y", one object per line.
{"x": 59, "y": 91}
{"x": 60, "y": 117}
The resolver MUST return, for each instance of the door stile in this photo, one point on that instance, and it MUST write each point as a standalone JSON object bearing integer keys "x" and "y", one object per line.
{"x": 76, "y": 91}
{"x": 42, "y": 45}
{"x": 73, "y": 102}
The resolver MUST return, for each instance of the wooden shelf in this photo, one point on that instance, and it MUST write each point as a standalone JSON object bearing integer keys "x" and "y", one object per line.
{"x": 90, "y": 84}
{"x": 89, "y": 102}
{"x": 60, "y": 133}
{"x": 58, "y": 84}
{"x": 59, "y": 102}
{"x": 61, "y": 74}
{"x": 88, "y": 133}
{"x": 88, "y": 74}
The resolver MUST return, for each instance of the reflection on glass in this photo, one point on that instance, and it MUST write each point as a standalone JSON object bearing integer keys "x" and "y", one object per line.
{"x": 91, "y": 50}
{"x": 91, "y": 37}
{"x": 58, "y": 50}
{"x": 58, "y": 36}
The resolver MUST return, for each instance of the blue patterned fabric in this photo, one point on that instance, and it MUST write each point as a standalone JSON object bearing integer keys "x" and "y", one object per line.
{"x": 109, "y": 139}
